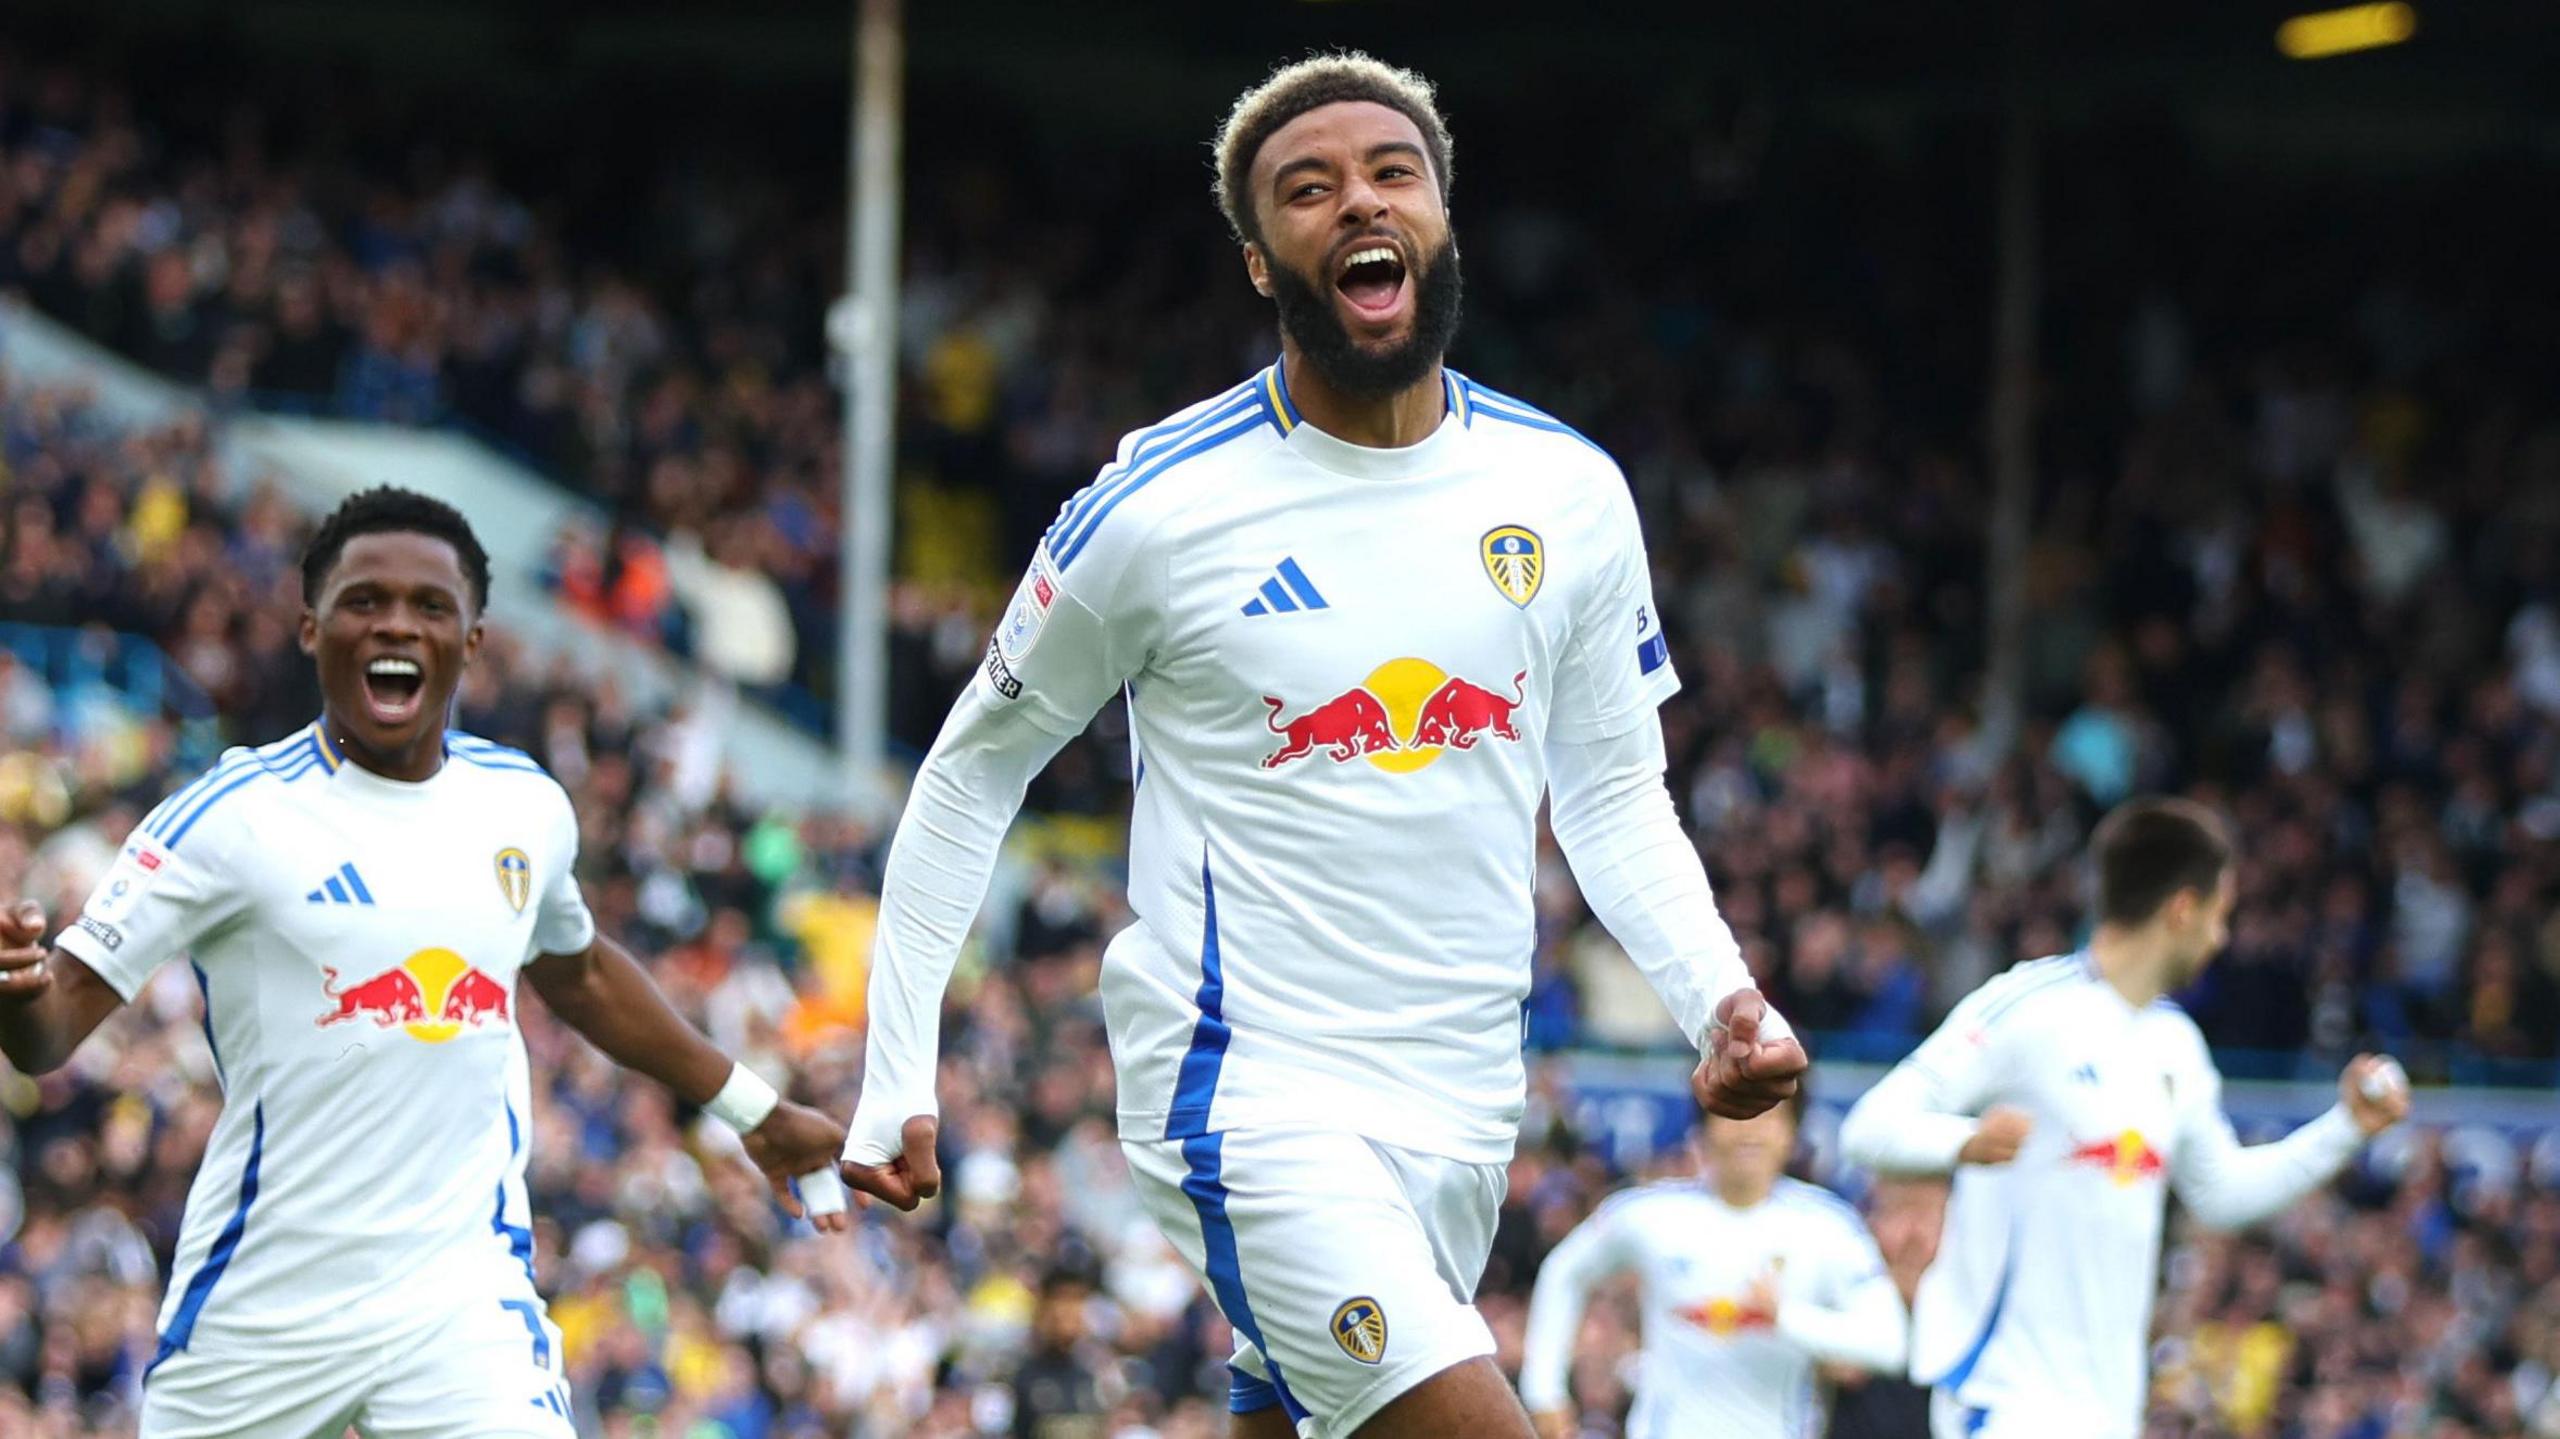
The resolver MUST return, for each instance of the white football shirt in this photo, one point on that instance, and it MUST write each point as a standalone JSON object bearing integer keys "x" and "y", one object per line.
{"x": 1715, "y": 1359}
{"x": 357, "y": 940}
{"x": 2039, "y": 1302}
{"x": 1342, "y": 666}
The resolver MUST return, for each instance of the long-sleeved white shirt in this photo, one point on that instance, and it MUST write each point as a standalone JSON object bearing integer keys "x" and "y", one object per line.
{"x": 1716, "y": 1360}
{"x": 2040, "y": 1298}
{"x": 1353, "y": 674}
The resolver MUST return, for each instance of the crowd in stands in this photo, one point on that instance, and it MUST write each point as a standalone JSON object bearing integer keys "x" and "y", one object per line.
{"x": 2308, "y": 571}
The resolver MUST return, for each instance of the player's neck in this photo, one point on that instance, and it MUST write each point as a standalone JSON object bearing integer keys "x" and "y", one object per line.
{"x": 416, "y": 765}
{"x": 1739, "y": 1191}
{"x": 2134, "y": 962}
{"x": 1389, "y": 422}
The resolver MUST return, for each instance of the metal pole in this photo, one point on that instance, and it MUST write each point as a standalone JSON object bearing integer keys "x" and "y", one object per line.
{"x": 870, "y": 346}
{"x": 2012, "y": 409}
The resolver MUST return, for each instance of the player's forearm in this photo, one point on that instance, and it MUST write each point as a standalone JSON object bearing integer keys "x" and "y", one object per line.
{"x": 606, "y": 996}
{"x": 40, "y": 1033}
{"x": 1546, "y": 1346}
{"x": 2228, "y": 1185}
{"x": 31, "y": 1034}
{"x": 1871, "y": 1331}
{"x": 1641, "y": 875}
{"x": 964, "y": 799}
{"x": 1898, "y": 1128}
{"x": 1556, "y": 1302}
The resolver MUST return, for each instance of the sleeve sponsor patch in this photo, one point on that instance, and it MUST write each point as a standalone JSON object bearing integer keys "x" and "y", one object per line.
{"x": 1001, "y": 674}
{"x": 101, "y": 931}
{"x": 136, "y": 870}
{"x": 1652, "y": 651}
{"x": 1027, "y": 615}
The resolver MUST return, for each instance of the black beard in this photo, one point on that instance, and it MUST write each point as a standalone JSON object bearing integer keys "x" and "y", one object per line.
{"x": 1308, "y": 316}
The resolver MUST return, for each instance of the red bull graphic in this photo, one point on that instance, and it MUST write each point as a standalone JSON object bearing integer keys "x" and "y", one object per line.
{"x": 432, "y": 995}
{"x": 1401, "y": 718}
{"x": 1346, "y": 727}
{"x": 1458, "y": 713}
{"x": 2126, "y": 1158}
{"x": 1726, "y": 1317}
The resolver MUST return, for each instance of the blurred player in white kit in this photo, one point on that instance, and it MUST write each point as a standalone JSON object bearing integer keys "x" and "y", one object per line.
{"x": 2068, "y": 1096}
{"x": 1749, "y": 1280}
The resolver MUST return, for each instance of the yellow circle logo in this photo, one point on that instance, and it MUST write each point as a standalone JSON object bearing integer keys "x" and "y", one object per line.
{"x": 1404, "y": 686}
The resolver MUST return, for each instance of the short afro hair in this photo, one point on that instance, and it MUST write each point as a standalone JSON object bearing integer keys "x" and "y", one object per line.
{"x": 1293, "y": 90}
{"x": 388, "y": 509}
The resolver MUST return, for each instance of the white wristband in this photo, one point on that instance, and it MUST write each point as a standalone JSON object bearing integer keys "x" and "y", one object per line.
{"x": 744, "y": 1101}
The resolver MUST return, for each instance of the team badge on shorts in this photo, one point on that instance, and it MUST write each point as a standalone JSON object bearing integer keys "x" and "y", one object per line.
{"x": 1360, "y": 1327}
{"x": 1516, "y": 562}
{"x": 515, "y": 877}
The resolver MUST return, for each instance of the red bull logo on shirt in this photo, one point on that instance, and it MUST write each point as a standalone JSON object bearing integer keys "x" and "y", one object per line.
{"x": 2127, "y": 1158}
{"x": 1725, "y": 1317}
{"x": 433, "y": 995}
{"x": 1401, "y": 718}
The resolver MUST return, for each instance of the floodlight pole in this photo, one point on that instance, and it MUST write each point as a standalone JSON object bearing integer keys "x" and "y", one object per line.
{"x": 869, "y": 344}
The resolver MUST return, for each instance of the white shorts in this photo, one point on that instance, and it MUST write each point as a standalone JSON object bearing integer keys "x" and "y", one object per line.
{"x": 1347, "y": 1268}
{"x": 490, "y": 1370}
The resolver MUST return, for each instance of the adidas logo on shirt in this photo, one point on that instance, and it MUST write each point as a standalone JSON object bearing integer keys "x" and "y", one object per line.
{"x": 344, "y": 887}
{"x": 1287, "y": 591}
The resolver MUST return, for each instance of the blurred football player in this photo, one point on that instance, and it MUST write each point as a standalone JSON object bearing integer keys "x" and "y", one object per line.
{"x": 1748, "y": 1281}
{"x": 2069, "y": 1095}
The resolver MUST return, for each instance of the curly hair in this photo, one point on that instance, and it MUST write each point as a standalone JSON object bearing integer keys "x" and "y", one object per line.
{"x": 1293, "y": 90}
{"x": 388, "y": 509}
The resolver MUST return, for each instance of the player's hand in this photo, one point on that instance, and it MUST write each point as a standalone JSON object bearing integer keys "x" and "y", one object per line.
{"x": 906, "y": 1181}
{"x": 1997, "y": 1137}
{"x": 2376, "y": 1093}
{"x": 796, "y": 1140}
{"x": 23, "y": 973}
{"x": 1744, "y": 1074}
{"x": 1762, "y": 1297}
{"x": 1553, "y": 1423}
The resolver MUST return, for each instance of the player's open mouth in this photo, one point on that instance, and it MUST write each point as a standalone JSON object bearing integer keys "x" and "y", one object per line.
{"x": 393, "y": 688}
{"x": 1372, "y": 280}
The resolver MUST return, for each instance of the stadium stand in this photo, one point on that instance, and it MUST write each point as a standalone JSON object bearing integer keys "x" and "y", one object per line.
{"x": 2296, "y": 558}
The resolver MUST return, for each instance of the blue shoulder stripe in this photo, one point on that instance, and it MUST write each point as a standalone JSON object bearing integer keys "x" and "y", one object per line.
{"x": 287, "y": 760}
{"x": 1084, "y": 513}
{"x": 464, "y": 740}
{"x": 1503, "y": 407}
{"x": 1151, "y": 442}
{"x": 1248, "y": 418}
{"x": 286, "y": 771}
{"x": 157, "y": 822}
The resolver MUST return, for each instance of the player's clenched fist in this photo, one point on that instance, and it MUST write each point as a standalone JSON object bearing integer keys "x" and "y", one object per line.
{"x": 22, "y": 966}
{"x": 1751, "y": 1062}
{"x": 906, "y": 1178}
{"x": 792, "y": 1141}
{"x": 2376, "y": 1091}
{"x": 1996, "y": 1140}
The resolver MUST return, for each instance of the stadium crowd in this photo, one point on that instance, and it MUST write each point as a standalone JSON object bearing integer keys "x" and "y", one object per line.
{"x": 2307, "y": 571}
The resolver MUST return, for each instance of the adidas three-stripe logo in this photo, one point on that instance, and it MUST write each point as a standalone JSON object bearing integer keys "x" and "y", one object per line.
{"x": 344, "y": 887}
{"x": 1287, "y": 590}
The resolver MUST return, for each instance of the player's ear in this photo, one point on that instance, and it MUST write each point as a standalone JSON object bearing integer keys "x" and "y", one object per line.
{"x": 1257, "y": 269}
{"x": 471, "y": 642}
{"x": 310, "y": 633}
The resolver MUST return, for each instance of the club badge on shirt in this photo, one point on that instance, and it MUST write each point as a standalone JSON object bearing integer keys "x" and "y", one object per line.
{"x": 515, "y": 877}
{"x": 1515, "y": 562}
